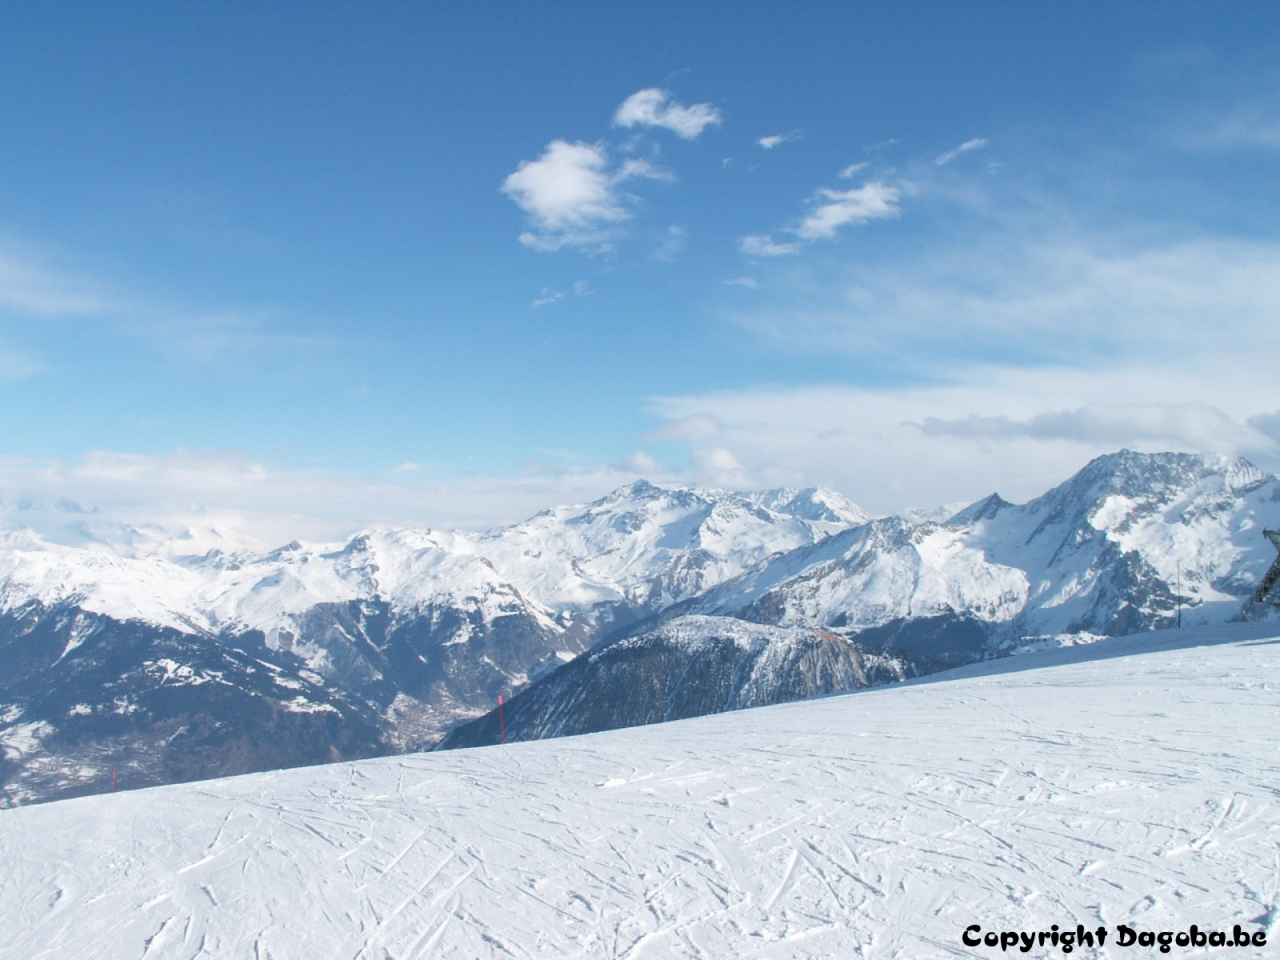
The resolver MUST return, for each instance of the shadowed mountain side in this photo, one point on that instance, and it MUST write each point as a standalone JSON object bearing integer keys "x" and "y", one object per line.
{"x": 687, "y": 668}
{"x": 87, "y": 696}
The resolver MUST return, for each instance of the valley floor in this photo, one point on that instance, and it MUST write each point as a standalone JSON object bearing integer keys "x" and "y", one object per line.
{"x": 1135, "y": 781}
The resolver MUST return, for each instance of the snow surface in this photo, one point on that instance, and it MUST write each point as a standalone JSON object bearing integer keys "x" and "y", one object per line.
{"x": 1127, "y": 781}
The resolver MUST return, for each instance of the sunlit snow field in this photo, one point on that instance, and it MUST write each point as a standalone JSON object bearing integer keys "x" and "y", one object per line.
{"x": 1134, "y": 781}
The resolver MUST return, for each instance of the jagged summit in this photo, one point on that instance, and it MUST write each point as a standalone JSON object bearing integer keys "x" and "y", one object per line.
{"x": 984, "y": 509}
{"x": 1129, "y": 473}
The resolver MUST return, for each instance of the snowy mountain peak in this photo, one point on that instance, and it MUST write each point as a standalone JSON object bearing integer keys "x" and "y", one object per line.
{"x": 982, "y": 510}
{"x": 1242, "y": 476}
{"x": 639, "y": 491}
{"x": 810, "y": 503}
{"x": 1131, "y": 474}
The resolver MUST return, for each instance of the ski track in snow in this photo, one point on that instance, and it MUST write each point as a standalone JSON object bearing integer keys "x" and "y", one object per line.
{"x": 1134, "y": 781}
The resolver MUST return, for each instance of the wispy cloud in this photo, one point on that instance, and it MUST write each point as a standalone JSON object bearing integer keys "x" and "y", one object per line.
{"x": 839, "y": 208}
{"x": 778, "y": 139}
{"x": 37, "y": 286}
{"x": 1196, "y": 425}
{"x": 654, "y": 107}
{"x": 852, "y": 170}
{"x": 763, "y": 245}
{"x": 832, "y": 210}
{"x": 18, "y": 364}
{"x": 1224, "y": 102}
{"x": 1009, "y": 298}
{"x": 34, "y": 284}
{"x": 549, "y": 295}
{"x": 977, "y": 143}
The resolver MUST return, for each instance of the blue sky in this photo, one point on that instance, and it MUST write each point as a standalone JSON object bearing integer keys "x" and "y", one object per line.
{"x": 350, "y": 263}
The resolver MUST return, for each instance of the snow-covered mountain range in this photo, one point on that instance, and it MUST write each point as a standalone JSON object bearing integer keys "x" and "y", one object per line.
{"x": 151, "y": 654}
{"x": 1133, "y": 542}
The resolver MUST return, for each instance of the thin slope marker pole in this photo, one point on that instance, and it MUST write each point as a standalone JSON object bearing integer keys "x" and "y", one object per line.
{"x": 502, "y": 722}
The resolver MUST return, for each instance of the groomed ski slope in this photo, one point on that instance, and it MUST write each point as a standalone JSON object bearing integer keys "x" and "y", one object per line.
{"x": 1133, "y": 781}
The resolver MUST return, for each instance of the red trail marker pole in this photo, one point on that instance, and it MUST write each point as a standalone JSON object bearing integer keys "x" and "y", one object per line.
{"x": 502, "y": 722}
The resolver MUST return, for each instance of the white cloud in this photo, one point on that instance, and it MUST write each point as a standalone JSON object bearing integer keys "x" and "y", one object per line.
{"x": 992, "y": 429}
{"x": 568, "y": 194}
{"x": 227, "y": 498}
{"x": 977, "y": 143}
{"x": 832, "y": 210}
{"x": 852, "y": 169}
{"x": 762, "y": 245}
{"x": 654, "y": 107}
{"x": 718, "y": 467}
{"x": 778, "y": 139}
{"x": 547, "y": 296}
{"x": 638, "y": 167}
{"x": 572, "y": 197}
{"x": 871, "y": 201}
{"x": 748, "y": 282}
{"x": 1195, "y": 425}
